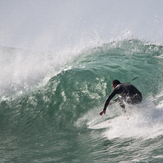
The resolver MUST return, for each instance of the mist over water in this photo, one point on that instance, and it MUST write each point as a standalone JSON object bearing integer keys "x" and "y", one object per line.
{"x": 57, "y": 62}
{"x": 23, "y": 70}
{"x": 48, "y": 25}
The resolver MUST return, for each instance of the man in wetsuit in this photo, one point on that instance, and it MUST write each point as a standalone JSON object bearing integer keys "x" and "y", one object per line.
{"x": 127, "y": 93}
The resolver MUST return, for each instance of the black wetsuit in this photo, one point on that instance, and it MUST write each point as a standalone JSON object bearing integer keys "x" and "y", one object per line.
{"x": 127, "y": 93}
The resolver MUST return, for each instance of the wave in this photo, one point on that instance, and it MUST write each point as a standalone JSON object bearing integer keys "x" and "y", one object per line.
{"x": 68, "y": 103}
{"x": 87, "y": 81}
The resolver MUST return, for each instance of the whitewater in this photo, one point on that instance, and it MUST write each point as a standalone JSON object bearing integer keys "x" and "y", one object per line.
{"x": 50, "y": 104}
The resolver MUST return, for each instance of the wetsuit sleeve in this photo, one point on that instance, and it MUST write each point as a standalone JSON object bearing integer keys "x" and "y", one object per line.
{"x": 114, "y": 92}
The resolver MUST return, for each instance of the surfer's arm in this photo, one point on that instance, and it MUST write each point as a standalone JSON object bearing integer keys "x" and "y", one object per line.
{"x": 108, "y": 99}
{"x": 102, "y": 112}
{"x": 108, "y": 102}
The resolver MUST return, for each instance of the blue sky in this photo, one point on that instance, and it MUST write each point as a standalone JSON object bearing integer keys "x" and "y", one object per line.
{"x": 52, "y": 24}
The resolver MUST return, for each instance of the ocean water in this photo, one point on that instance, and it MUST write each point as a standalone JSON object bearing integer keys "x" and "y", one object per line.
{"x": 50, "y": 104}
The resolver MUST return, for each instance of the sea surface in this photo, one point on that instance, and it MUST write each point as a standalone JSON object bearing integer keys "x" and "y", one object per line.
{"x": 50, "y": 104}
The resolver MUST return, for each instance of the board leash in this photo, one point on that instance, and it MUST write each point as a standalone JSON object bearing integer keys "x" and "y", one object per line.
{"x": 133, "y": 79}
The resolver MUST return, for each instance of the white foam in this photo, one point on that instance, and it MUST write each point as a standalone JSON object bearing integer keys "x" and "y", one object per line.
{"x": 145, "y": 121}
{"x": 21, "y": 70}
{"x": 141, "y": 121}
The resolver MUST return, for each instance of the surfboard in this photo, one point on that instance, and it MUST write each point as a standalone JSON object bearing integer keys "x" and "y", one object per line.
{"x": 107, "y": 123}
{"x": 100, "y": 125}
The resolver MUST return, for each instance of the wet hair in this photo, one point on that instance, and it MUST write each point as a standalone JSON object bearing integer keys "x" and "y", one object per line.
{"x": 116, "y": 82}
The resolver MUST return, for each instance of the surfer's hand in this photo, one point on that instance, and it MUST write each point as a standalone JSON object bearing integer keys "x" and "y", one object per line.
{"x": 102, "y": 112}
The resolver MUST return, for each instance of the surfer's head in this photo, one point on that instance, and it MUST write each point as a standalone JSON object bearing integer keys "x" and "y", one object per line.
{"x": 115, "y": 83}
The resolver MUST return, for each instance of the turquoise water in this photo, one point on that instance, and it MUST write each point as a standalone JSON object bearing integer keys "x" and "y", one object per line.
{"x": 49, "y": 108}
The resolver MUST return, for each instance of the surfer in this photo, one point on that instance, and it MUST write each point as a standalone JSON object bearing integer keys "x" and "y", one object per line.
{"x": 127, "y": 93}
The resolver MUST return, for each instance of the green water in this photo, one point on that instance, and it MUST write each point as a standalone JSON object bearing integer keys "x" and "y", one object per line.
{"x": 52, "y": 123}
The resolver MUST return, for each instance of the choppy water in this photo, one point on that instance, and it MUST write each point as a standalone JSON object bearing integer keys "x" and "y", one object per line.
{"x": 49, "y": 105}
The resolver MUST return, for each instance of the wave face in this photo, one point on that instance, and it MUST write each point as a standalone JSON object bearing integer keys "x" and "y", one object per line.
{"x": 57, "y": 121}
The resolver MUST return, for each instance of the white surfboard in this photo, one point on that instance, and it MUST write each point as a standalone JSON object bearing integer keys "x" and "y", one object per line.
{"x": 106, "y": 124}
{"x": 100, "y": 125}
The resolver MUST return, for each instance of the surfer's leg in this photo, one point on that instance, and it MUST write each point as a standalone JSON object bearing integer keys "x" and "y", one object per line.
{"x": 136, "y": 99}
{"x": 122, "y": 105}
